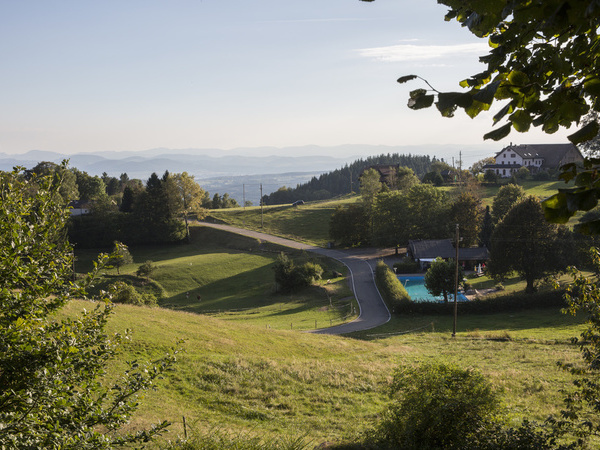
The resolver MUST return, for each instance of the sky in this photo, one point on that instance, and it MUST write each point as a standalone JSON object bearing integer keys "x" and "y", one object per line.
{"x": 88, "y": 76}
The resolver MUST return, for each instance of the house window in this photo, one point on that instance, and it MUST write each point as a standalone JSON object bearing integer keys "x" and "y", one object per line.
{"x": 505, "y": 155}
{"x": 512, "y": 155}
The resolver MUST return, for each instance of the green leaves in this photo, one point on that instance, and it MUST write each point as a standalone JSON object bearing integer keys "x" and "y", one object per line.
{"x": 419, "y": 99}
{"x": 586, "y": 133}
{"x": 406, "y": 78}
{"x": 498, "y": 134}
{"x": 51, "y": 394}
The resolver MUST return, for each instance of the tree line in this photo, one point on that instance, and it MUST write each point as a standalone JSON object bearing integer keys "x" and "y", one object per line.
{"x": 345, "y": 180}
{"x": 129, "y": 210}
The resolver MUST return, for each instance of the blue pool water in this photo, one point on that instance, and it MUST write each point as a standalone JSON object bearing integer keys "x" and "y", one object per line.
{"x": 415, "y": 286}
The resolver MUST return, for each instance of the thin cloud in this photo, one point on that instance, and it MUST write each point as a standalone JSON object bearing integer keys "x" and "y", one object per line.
{"x": 409, "y": 52}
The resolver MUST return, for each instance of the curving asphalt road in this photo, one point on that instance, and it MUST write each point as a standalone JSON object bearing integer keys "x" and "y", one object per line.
{"x": 373, "y": 311}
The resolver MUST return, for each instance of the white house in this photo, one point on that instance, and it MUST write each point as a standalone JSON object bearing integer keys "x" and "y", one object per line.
{"x": 534, "y": 157}
{"x": 79, "y": 207}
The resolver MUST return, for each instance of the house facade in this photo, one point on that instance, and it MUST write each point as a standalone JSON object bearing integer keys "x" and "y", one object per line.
{"x": 535, "y": 157}
{"x": 79, "y": 207}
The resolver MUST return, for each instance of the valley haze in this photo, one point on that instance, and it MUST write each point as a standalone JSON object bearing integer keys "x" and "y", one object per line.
{"x": 241, "y": 169}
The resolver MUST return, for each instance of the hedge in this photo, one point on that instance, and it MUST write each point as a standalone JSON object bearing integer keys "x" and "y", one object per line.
{"x": 489, "y": 305}
{"x": 393, "y": 292}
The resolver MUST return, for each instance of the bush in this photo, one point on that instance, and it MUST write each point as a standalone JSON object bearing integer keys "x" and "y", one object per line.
{"x": 290, "y": 277}
{"x": 542, "y": 175}
{"x": 490, "y": 177}
{"x": 122, "y": 292}
{"x": 435, "y": 406}
{"x": 146, "y": 269}
{"x": 393, "y": 292}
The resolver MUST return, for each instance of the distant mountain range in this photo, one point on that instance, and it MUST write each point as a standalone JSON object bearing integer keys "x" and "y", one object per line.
{"x": 231, "y": 171}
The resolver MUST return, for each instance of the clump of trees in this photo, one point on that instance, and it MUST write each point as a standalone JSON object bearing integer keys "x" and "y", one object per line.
{"x": 128, "y": 210}
{"x": 122, "y": 292}
{"x": 52, "y": 369}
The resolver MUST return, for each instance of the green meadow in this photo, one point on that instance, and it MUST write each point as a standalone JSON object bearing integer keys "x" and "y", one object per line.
{"x": 249, "y": 367}
{"x": 241, "y": 378}
{"x": 307, "y": 223}
{"x": 230, "y": 277}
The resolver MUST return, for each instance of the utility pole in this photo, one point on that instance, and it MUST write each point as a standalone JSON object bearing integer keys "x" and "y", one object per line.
{"x": 261, "y": 207}
{"x": 456, "y": 284}
{"x": 459, "y": 167}
{"x": 244, "y": 194}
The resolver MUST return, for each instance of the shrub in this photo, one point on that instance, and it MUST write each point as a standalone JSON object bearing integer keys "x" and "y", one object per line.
{"x": 290, "y": 277}
{"x": 122, "y": 292}
{"x": 146, "y": 269}
{"x": 542, "y": 175}
{"x": 490, "y": 177}
{"x": 309, "y": 273}
{"x": 391, "y": 289}
{"x": 435, "y": 406}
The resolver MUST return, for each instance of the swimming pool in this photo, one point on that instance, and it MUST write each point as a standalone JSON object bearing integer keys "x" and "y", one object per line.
{"x": 415, "y": 285}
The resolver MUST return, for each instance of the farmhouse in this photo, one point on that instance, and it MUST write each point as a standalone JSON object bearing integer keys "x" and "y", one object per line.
{"x": 426, "y": 251}
{"x": 387, "y": 173}
{"x": 535, "y": 157}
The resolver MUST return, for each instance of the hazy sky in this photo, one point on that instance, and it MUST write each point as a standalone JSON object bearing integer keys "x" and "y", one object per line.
{"x": 82, "y": 75}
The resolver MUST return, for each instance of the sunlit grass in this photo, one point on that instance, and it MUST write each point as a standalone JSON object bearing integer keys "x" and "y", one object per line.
{"x": 307, "y": 223}
{"x": 246, "y": 378}
{"x": 231, "y": 277}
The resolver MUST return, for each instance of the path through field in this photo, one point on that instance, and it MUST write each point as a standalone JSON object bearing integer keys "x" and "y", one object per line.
{"x": 360, "y": 263}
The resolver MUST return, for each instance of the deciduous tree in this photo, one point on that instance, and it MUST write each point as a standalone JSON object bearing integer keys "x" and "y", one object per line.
{"x": 440, "y": 278}
{"x": 350, "y": 226}
{"x": 185, "y": 197}
{"x": 370, "y": 186}
{"x": 524, "y": 242}
{"x": 504, "y": 200}
{"x": 119, "y": 256}
{"x": 52, "y": 369}
{"x": 466, "y": 210}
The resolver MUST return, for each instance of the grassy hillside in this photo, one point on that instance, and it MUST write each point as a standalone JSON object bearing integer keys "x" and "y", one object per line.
{"x": 307, "y": 223}
{"x": 242, "y": 378}
{"x": 232, "y": 275}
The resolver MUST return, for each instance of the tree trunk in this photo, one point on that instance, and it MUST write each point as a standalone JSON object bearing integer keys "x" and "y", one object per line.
{"x": 187, "y": 228}
{"x": 530, "y": 288}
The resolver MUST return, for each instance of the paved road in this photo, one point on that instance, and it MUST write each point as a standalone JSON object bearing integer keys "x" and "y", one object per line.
{"x": 373, "y": 311}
